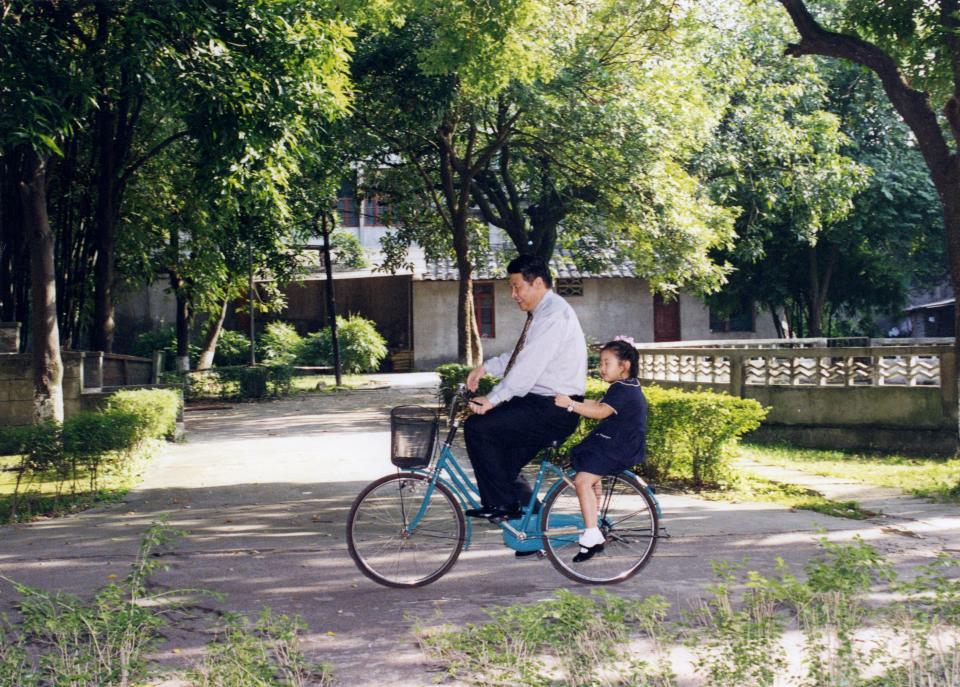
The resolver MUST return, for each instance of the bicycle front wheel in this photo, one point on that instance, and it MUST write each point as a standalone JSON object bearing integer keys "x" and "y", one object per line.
{"x": 397, "y": 538}
{"x": 627, "y": 518}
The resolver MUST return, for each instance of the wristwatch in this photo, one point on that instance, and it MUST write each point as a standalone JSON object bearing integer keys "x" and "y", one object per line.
{"x": 573, "y": 404}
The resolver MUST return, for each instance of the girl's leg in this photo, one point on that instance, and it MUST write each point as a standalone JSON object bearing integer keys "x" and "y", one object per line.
{"x": 588, "y": 492}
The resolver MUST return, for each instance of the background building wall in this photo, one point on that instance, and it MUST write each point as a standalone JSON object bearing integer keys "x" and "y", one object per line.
{"x": 607, "y": 308}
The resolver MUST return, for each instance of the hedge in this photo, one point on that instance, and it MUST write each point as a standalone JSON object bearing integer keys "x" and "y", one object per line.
{"x": 690, "y": 435}
{"x": 248, "y": 382}
{"x": 78, "y": 449}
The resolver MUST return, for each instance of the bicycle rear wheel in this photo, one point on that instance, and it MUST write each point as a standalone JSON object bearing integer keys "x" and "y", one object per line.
{"x": 391, "y": 545}
{"x": 627, "y": 518}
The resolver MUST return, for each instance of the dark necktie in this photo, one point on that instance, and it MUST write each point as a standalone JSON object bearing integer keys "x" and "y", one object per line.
{"x": 519, "y": 347}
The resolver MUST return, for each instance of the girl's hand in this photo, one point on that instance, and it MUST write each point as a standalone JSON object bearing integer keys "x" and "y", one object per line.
{"x": 562, "y": 400}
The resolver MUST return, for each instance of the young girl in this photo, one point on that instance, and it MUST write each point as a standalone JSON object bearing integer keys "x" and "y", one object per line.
{"x": 618, "y": 442}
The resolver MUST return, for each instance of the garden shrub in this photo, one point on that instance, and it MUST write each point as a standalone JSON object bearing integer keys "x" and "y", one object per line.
{"x": 280, "y": 343}
{"x": 239, "y": 383}
{"x": 362, "y": 348}
{"x": 162, "y": 339}
{"x": 157, "y": 409}
{"x": 233, "y": 348}
{"x": 452, "y": 374}
{"x": 91, "y": 439}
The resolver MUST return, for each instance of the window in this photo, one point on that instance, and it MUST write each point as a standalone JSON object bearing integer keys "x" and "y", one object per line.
{"x": 569, "y": 287}
{"x": 740, "y": 320}
{"x": 483, "y": 306}
{"x": 377, "y": 211}
{"x": 347, "y": 205}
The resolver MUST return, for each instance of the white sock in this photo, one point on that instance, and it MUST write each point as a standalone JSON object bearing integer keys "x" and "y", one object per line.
{"x": 591, "y": 537}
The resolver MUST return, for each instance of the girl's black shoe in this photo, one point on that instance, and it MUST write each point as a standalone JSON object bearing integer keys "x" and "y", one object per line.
{"x": 586, "y": 553}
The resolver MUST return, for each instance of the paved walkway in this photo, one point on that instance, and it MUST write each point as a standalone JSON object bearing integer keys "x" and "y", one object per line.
{"x": 264, "y": 489}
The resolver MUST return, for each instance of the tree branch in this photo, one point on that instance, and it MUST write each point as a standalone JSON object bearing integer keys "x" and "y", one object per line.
{"x": 913, "y": 105}
{"x": 131, "y": 170}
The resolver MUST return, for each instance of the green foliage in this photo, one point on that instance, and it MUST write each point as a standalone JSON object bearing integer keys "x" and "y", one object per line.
{"x": 264, "y": 654}
{"x": 238, "y": 383}
{"x": 233, "y": 348}
{"x": 347, "y": 251}
{"x": 162, "y": 339}
{"x": 452, "y": 374}
{"x": 77, "y": 451}
{"x": 157, "y": 410}
{"x": 362, "y": 348}
{"x": 585, "y": 635}
{"x": 279, "y": 343}
{"x": 690, "y": 435}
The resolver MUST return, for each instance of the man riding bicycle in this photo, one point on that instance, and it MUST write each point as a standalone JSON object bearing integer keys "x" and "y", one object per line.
{"x": 519, "y": 418}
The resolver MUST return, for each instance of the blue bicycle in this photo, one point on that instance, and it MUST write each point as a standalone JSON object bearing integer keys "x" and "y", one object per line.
{"x": 408, "y": 529}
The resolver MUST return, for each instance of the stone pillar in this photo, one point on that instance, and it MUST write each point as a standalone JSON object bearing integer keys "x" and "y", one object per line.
{"x": 9, "y": 337}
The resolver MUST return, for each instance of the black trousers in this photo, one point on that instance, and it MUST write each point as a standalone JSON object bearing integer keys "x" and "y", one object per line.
{"x": 508, "y": 437}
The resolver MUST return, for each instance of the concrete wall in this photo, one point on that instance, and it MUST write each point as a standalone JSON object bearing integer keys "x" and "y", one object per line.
{"x": 16, "y": 387}
{"x": 695, "y": 323}
{"x": 9, "y": 337}
{"x": 883, "y": 416}
{"x": 607, "y": 308}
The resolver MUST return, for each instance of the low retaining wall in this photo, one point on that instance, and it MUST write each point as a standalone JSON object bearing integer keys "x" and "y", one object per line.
{"x": 893, "y": 398}
{"x": 85, "y": 374}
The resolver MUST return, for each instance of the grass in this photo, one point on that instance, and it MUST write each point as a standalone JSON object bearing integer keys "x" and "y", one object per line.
{"x": 328, "y": 383}
{"x": 933, "y": 478}
{"x": 45, "y": 493}
{"x": 753, "y": 488}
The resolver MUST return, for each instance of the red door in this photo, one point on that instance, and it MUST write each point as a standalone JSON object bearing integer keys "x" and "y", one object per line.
{"x": 666, "y": 319}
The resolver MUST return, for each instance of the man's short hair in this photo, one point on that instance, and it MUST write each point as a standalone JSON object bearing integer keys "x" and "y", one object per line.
{"x": 531, "y": 267}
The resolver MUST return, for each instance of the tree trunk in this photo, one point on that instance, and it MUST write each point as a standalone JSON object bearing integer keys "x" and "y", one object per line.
{"x": 105, "y": 233}
{"x": 47, "y": 363}
{"x": 213, "y": 335}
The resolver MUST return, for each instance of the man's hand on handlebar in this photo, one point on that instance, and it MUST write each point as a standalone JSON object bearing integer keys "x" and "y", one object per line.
{"x": 481, "y": 405}
{"x": 473, "y": 379}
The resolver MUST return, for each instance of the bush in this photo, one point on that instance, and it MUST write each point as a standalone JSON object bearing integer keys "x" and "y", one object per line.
{"x": 162, "y": 339}
{"x": 452, "y": 374}
{"x": 238, "y": 383}
{"x": 690, "y": 435}
{"x": 362, "y": 348}
{"x": 280, "y": 343}
{"x": 233, "y": 348}
{"x": 157, "y": 410}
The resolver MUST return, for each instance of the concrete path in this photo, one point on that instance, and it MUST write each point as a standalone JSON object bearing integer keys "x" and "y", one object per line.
{"x": 264, "y": 490}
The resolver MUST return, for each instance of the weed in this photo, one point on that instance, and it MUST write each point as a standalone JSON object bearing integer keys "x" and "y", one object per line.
{"x": 570, "y": 640}
{"x": 267, "y": 654}
{"x": 90, "y": 643}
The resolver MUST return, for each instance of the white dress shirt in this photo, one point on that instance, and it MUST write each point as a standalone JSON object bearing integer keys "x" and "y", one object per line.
{"x": 554, "y": 356}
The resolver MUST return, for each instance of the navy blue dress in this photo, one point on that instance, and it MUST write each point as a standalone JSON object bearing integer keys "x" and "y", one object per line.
{"x": 620, "y": 441}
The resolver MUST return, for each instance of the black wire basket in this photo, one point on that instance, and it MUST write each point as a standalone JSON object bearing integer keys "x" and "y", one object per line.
{"x": 413, "y": 436}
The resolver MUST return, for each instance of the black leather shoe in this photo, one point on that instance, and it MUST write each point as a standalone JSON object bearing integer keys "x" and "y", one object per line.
{"x": 587, "y": 553}
{"x": 509, "y": 512}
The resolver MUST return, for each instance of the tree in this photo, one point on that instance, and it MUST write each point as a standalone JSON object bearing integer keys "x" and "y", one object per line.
{"x": 418, "y": 87}
{"x": 778, "y": 157}
{"x": 602, "y": 149}
{"x": 31, "y": 123}
{"x": 896, "y": 40}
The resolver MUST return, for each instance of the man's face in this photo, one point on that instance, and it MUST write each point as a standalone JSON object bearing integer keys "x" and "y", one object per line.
{"x": 526, "y": 295}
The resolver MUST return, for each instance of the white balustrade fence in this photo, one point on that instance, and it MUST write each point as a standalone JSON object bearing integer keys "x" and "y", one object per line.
{"x": 903, "y": 366}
